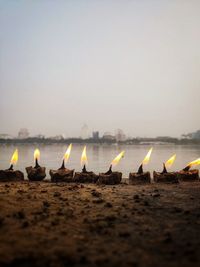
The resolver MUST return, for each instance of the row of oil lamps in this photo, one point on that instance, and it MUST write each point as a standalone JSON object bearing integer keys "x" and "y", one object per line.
{"x": 38, "y": 173}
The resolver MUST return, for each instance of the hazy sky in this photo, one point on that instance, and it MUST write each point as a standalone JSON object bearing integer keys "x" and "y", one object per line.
{"x": 133, "y": 65}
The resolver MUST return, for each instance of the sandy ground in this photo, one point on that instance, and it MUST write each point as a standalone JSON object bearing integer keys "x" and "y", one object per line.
{"x": 44, "y": 224}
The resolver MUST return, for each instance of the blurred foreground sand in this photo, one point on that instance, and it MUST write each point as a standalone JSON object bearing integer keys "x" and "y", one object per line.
{"x": 45, "y": 224}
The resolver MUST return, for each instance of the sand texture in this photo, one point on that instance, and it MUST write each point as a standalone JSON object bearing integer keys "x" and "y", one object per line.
{"x": 46, "y": 224}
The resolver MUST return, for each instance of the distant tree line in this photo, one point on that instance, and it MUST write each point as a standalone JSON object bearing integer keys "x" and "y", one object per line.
{"x": 32, "y": 140}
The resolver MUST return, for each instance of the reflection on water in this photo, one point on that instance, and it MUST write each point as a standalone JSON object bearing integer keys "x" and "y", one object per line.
{"x": 100, "y": 156}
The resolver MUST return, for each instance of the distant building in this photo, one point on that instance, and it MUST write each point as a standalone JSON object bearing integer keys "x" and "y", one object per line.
{"x": 95, "y": 135}
{"x": 195, "y": 135}
{"x": 39, "y": 136}
{"x": 187, "y": 136}
{"x": 5, "y": 136}
{"x": 85, "y": 132}
{"x": 120, "y": 136}
{"x": 23, "y": 133}
{"x": 57, "y": 137}
{"x": 108, "y": 136}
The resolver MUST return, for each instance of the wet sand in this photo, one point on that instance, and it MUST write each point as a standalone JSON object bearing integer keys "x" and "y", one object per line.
{"x": 44, "y": 224}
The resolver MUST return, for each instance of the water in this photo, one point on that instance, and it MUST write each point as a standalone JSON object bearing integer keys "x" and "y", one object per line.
{"x": 100, "y": 156}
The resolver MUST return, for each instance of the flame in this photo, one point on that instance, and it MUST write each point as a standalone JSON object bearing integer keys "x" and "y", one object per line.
{"x": 170, "y": 161}
{"x": 84, "y": 160}
{"x": 147, "y": 157}
{"x": 37, "y": 154}
{"x": 14, "y": 158}
{"x": 194, "y": 162}
{"x": 117, "y": 159}
{"x": 67, "y": 153}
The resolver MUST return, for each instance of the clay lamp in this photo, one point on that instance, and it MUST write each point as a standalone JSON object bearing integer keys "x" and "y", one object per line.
{"x": 187, "y": 174}
{"x": 63, "y": 174}
{"x": 165, "y": 176}
{"x": 85, "y": 176}
{"x": 10, "y": 174}
{"x": 141, "y": 177}
{"x": 36, "y": 173}
{"x": 112, "y": 177}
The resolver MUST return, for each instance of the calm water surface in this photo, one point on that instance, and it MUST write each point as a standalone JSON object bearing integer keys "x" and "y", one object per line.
{"x": 100, "y": 156}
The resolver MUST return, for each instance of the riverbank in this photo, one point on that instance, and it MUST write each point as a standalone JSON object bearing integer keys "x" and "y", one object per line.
{"x": 45, "y": 224}
{"x": 102, "y": 141}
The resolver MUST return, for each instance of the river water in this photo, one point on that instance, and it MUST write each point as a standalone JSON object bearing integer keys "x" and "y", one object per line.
{"x": 100, "y": 156}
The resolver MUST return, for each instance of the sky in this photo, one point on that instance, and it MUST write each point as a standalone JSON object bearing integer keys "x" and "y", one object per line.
{"x": 133, "y": 65}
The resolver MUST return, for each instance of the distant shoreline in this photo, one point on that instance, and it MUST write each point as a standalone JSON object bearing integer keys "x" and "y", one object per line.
{"x": 101, "y": 141}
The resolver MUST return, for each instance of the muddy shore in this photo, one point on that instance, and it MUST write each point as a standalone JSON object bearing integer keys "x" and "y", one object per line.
{"x": 46, "y": 224}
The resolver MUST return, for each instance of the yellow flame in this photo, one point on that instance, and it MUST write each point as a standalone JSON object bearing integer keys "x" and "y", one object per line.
{"x": 170, "y": 161}
{"x": 194, "y": 162}
{"x": 147, "y": 157}
{"x": 117, "y": 159}
{"x": 84, "y": 160}
{"x": 37, "y": 154}
{"x": 14, "y": 158}
{"x": 67, "y": 153}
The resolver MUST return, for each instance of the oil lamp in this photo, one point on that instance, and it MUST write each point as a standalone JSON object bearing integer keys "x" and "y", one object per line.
{"x": 63, "y": 174}
{"x": 85, "y": 176}
{"x": 36, "y": 173}
{"x": 187, "y": 174}
{"x": 110, "y": 177}
{"x": 165, "y": 176}
{"x": 10, "y": 174}
{"x": 141, "y": 177}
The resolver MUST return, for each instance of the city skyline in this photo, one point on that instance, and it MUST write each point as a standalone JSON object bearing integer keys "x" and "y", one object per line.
{"x": 87, "y": 133}
{"x": 84, "y": 133}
